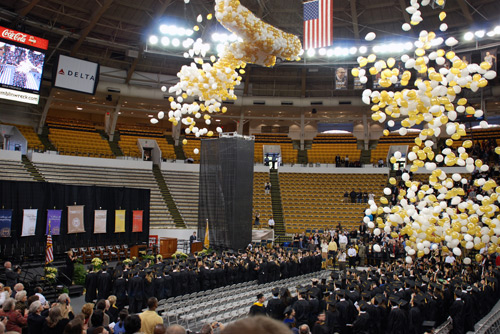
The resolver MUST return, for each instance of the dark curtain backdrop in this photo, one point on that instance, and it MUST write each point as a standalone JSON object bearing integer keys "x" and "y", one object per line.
{"x": 226, "y": 191}
{"x": 43, "y": 196}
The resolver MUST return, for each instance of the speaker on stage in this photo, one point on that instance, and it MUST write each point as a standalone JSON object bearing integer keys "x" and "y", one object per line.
{"x": 226, "y": 191}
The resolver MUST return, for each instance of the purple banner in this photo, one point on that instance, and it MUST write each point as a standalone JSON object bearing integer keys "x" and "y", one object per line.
{"x": 5, "y": 223}
{"x": 53, "y": 222}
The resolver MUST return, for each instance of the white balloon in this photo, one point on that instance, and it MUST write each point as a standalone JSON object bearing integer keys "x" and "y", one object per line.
{"x": 196, "y": 151}
{"x": 371, "y": 225}
{"x": 370, "y": 36}
{"x": 397, "y": 155}
{"x": 377, "y": 232}
{"x": 406, "y": 27}
{"x": 467, "y": 261}
{"x": 490, "y": 75}
{"x": 377, "y": 248}
{"x": 409, "y": 260}
{"x": 387, "y": 191}
{"x": 443, "y": 27}
{"x": 457, "y": 251}
{"x": 451, "y": 41}
{"x": 161, "y": 114}
{"x": 164, "y": 88}
{"x": 153, "y": 120}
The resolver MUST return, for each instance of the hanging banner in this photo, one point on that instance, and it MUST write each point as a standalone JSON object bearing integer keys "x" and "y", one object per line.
{"x": 490, "y": 56}
{"x": 53, "y": 222}
{"x": 75, "y": 219}
{"x": 100, "y": 217}
{"x": 137, "y": 221}
{"x": 341, "y": 78}
{"x": 5, "y": 223}
{"x": 29, "y": 222}
{"x": 119, "y": 221}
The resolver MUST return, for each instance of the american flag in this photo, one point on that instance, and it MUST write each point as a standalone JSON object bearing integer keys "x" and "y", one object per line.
{"x": 318, "y": 25}
{"x": 49, "y": 252}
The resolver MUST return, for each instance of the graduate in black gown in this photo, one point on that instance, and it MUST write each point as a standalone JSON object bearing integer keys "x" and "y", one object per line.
{"x": 321, "y": 327}
{"x": 258, "y": 307}
{"x": 104, "y": 283}
{"x": 91, "y": 285}
{"x": 397, "y": 322}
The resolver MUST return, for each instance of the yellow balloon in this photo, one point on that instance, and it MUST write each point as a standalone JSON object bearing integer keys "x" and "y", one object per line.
{"x": 355, "y": 72}
{"x": 479, "y": 258}
{"x": 391, "y": 62}
{"x": 442, "y": 16}
{"x": 392, "y": 181}
{"x": 184, "y": 142}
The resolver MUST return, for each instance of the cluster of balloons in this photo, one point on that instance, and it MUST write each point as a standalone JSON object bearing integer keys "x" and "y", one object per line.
{"x": 213, "y": 82}
{"x": 436, "y": 212}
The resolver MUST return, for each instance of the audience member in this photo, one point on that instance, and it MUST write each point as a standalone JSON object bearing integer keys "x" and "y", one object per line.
{"x": 55, "y": 322}
{"x": 149, "y": 318}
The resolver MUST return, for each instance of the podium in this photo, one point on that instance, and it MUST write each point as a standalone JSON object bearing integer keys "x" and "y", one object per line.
{"x": 168, "y": 246}
{"x": 134, "y": 250}
{"x": 196, "y": 246}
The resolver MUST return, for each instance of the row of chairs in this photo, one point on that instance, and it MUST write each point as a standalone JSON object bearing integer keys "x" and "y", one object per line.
{"x": 110, "y": 253}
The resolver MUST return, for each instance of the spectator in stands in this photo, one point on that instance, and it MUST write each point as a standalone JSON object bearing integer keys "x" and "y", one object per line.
{"x": 39, "y": 293}
{"x": 351, "y": 253}
{"x": 97, "y": 320}
{"x": 174, "y": 329}
{"x": 112, "y": 310}
{"x": 257, "y": 220}
{"x": 258, "y": 307}
{"x": 3, "y": 294}
{"x": 35, "y": 318}
{"x": 11, "y": 276}
{"x": 18, "y": 287}
{"x": 75, "y": 326}
{"x": 267, "y": 188}
{"x": 132, "y": 324}
{"x": 353, "y": 196}
{"x": 149, "y": 318}
{"x": 270, "y": 223}
{"x": 343, "y": 241}
{"x": 159, "y": 329}
{"x": 345, "y": 199}
{"x": 16, "y": 320}
{"x": 256, "y": 325}
{"x": 66, "y": 309}
{"x": 55, "y": 322}
{"x": 101, "y": 305}
{"x": 359, "y": 196}
{"x": 120, "y": 326}
{"x": 87, "y": 310}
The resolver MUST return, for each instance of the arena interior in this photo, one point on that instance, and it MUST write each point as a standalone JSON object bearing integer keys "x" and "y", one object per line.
{"x": 199, "y": 163}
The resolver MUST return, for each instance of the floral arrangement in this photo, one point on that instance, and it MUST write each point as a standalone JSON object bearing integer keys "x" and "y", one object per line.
{"x": 127, "y": 261}
{"x": 179, "y": 255}
{"x": 159, "y": 257}
{"x": 97, "y": 263}
{"x": 50, "y": 274}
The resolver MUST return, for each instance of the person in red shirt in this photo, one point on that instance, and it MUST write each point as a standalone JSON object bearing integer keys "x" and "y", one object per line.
{"x": 16, "y": 320}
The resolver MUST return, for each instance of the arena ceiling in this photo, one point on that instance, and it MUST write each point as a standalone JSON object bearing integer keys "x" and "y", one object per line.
{"x": 114, "y": 33}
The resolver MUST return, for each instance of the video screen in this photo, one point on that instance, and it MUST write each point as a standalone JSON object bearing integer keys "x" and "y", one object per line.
{"x": 20, "y": 67}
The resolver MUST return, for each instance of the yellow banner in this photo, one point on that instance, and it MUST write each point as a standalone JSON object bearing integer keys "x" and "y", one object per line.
{"x": 119, "y": 221}
{"x": 206, "y": 242}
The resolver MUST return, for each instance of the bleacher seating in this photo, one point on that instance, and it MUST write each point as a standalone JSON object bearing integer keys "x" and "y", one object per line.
{"x": 385, "y": 142}
{"x": 34, "y": 142}
{"x": 315, "y": 200}
{"x": 326, "y": 147}
{"x": 70, "y": 123}
{"x": 80, "y": 143}
{"x": 129, "y": 134}
{"x": 192, "y": 143}
{"x": 261, "y": 201}
{"x": 288, "y": 153}
{"x": 113, "y": 177}
{"x": 183, "y": 187}
{"x": 14, "y": 171}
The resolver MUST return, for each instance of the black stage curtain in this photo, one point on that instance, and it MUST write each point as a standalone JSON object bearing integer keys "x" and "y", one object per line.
{"x": 226, "y": 191}
{"x": 44, "y": 196}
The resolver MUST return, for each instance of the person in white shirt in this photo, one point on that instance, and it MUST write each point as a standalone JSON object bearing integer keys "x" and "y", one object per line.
{"x": 270, "y": 222}
{"x": 450, "y": 258}
{"x": 342, "y": 242}
{"x": 351, "y": 252}
{"x": 41, "y": 297}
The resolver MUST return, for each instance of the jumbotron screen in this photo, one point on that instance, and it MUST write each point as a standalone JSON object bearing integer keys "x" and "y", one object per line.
{"x": 22, "y": 57}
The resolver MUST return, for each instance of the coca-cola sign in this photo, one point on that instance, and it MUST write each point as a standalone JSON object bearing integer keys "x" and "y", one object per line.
{"x": 20, "y": 37}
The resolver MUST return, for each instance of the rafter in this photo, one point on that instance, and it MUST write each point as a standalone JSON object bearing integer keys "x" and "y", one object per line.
{"x": 406, "y": 16}
{"x": 465, "y": 11}
{"x": 93, "y": 20}
{"x": 354, "y": 18}
{"x": 157, "y": 15}
{"x": 26, "y": 9}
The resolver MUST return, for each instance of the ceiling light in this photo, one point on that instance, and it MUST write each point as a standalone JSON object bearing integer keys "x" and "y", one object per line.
{"x": 497, "y": 30}
{"x": 164, "y": 29}
{"x": 176, "y": 42}
{"x": 490, "y": 33}
{"x": 165, "y": 41}
{"x": 217, "y": 120}
{"x": 153, "y": 39}
{"x": 329, "y": 53}
{"x": 79, "y": 108}
{"x": 150, "y": 116}
{"x": 322, "y": 51}
{"x": 480, "y": 33}
{"x": 363, "y": 49}
{"x": 468, "y": 36}
{"x": 353, "y": 50}
{"x": 189, "y": 32}
{"x": 311, "y": 52}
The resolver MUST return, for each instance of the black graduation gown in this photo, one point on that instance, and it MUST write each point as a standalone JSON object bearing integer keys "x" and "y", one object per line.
{"x": 104, "y": 285}
{"x": 333, "y": 321}
{"x": 458, "y": 317}
{"x": 176, "y": 283}
{"x": 275, "y": 308}
{"x": 415, "y": 320}
{"x": 149, "y": 289}
{"x": 301, "y": 308}
{"x": 257, "y": 309}
{"x": 90, "y": 287}
{"x": 362, "y": 324}
{"x": 159, "y": 287}
{"x": 397, "y": 322}
{"x": 135, "y": 294}
{"x": 168, "y": 286}
{"x": 320, "y": 328}
{"x": 120, "y": 291}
